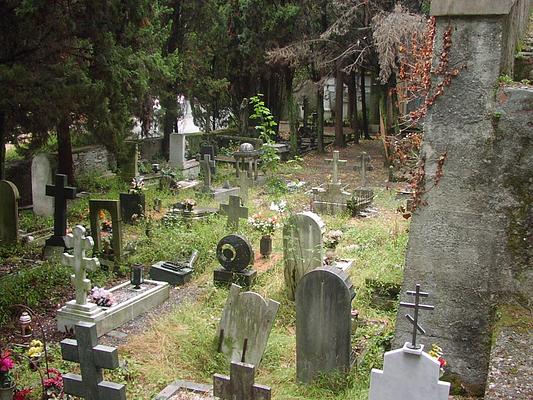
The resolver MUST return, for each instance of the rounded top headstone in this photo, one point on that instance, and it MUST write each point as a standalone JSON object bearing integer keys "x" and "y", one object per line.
{"x": 246, "y": 148}
{"x": 235, "y": 253}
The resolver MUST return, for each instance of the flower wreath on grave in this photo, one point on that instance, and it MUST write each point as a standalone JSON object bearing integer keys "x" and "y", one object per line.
{"x": 102, "y": 297}
{"x": 137, "y": 186}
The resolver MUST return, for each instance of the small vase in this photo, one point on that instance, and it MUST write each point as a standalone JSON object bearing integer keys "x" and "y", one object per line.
{"x": 265, "y": 246}
{"x": 6, "y": 393}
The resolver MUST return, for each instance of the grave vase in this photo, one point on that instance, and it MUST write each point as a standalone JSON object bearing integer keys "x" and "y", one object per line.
{"x": 6, "y": 393}
{"x": 265, "y": 245}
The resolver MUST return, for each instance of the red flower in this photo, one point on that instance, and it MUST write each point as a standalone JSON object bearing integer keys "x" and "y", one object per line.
{"x": 6, "y": 363}
{"x": 442, "y": 362}
{"x": 22, "y": 394}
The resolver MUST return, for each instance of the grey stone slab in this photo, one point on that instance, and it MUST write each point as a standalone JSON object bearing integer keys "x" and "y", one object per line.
{"x": 245, "y": 325}
{"x": 303, "y": 248}
{"x": 323, "y": 323}
{"x": 240, "y": 384}
{"x": 469, "y": 7}
{"x": 408, "y": 374}
{"x": 41, "y": 175}
{"x": 9, "y": 218}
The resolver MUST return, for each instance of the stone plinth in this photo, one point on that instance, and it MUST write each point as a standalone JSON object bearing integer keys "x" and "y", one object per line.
{"x": 331, "y": 200}
{"x": 109, "y": 318}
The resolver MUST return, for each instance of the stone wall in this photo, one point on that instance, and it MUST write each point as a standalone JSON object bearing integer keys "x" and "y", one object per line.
{"x": 472, "y": 243}
{"x": 92, "y": 158}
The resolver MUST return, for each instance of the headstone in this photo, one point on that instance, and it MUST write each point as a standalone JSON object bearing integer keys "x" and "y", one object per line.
{"x": 92, "y": 358}
{"x": 333, "y": 199}
{"x": 235, "y": 255}
{"x": 302, "y": 248}
{"x": 80, "y": 244}
{"x": 9, "y": 218}
{"x": 245, "y": 325}
{"x": 240, "y": 384}
{"x": 244, "y": 185}
{"x": 61, "y": 194}
{"x": 175, "y": 273}
{"x": 113, "y": 207}
{"x": 130, "y": 169}
{"x": 207, "y": 164}
{"x": 408, "y": 374}
{"x": 323, "y": 323}
{"x": 234, "y": 211}
{"x": 177, "y": 156}
{"x": 41, "y": 175}
{"x": 208, "y": 149}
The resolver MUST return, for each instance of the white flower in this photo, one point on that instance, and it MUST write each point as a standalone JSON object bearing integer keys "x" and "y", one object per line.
{"x": 279, "y": 206}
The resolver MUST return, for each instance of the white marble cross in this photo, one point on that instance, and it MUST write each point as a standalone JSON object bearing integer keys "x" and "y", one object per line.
{"x": 80, "y": 244}
{"x": 336, "y": 161}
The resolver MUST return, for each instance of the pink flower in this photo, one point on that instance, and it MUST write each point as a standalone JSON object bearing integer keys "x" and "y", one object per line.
{"x": 6, "y": 363}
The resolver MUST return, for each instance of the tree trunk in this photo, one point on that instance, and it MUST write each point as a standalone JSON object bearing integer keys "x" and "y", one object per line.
{"x": 3, "y": 141}
{"x": 363, "y": 105}
{"x": 320, "y": 118}
{"x": 65, "y": 164}
{"x": 352, "y": 105}
{"x": 339, "y": 105}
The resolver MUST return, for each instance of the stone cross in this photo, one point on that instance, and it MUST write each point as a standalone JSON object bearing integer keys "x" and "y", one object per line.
{"x": 336, "y": 161}
{"x": 61, "y": 194}
{"x": 240, "y": 384}
{"x": 92, "y": 359}
{"x": 80, "y": 244}
{"x": 414, "y": 319}
{"x": 365, "y": 158}
{"x": 207, "y": 164}
{"x": 234, "y": 211}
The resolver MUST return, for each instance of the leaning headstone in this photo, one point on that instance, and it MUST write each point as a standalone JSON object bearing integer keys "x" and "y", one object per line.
{"x": 323, "y": 323}
{"x": 93, "y": 358}
{"x": 234, "y": 211}
{"x": 235, "y": 255}
{"x": 61, "y": 193}
{"x": 240, "y": 384}
{"x": 409, "y": 372}
{"x": 41, "y": 175}
{"x": 245, "y": 325}
{"x": 175, "y": 273}
{"x": 9, "y": 218}
{"x": 303, "y": 248}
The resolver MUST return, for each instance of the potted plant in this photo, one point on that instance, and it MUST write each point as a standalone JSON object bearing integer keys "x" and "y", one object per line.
{"x": 133, "y": 202}
{"x": 53, "y": 385}
{"x": 7, "y": 385}
{"x": 266, "y": 226}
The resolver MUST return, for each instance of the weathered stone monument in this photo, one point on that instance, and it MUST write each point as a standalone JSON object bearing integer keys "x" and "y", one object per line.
{"x": 92, "y": 358}
{"x": 471, "y": 244}
{"x": 303, "y": 248}
{"x": 177, "y": 156}
{"x": 61, "y": 193}
{"x": 332, "y": 199}
{"x": 235, "y": 255}
{"x": 245, "y": 325}
{"x": 219, "y": 194}
{"x": 240, "y": 384}
{"x": 409, "y": 372}
{"x": 41, "y": 175}
{"x": 113, "y": 208}
{"x": 234, "y": 211}
{"x": 9, "y": 213}
{"x": 323, "y": 323}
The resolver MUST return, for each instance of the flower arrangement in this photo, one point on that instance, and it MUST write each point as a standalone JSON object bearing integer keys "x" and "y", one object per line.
{"x": 22, "y": 394}
{"x": 437, "y": 353}
{"x": 53, "y": 385}
{"x": 188, "y": 204}
{"x": 102, "y": 297}
{"x": 137, "y": 185}
{"x": 263, "y": 224}
{"x": 6, "y": 365}
{"x": 332, "y": 239}
{"x": 279, "y": 206}
{"x": 36, "y": 349}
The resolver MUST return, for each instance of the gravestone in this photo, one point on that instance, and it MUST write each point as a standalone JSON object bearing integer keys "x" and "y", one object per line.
{"x": 240, "y": 384}
{"x": 245, "y": 325}
{"x": 235, "y": 255}
{"x": 41, "y": 175}
{"x": 209, "y": 150}
{"x": 113, "y": 208}
{"x": 9, "y": 215}
{"x": 61, "y": 194}
{"x": 234, "y": 211}
{"x": 207, "y": 164}
{"x": 175, "y": 273}
{"x": 333, "y": 198}
{"x": 92, "y": 358}
{"x": 177, "y": 156}
{"x": 323, "y": 323}
{"x": 409, "y": 373}
{"x": 244, "y": 186}
{"x": 130, "y": 168}
{"x": 80, "y": 307}
{"x": 303, "y": 248}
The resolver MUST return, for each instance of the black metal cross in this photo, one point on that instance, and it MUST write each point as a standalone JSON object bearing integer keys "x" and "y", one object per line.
{"x": 240, "y": 384}
{"x": 92, "y": 358}
{"x": 61, "y": 194}
{"x": 414, "y": 319}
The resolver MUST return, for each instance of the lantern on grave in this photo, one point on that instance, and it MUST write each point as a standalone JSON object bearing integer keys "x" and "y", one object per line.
{"x": 137, "y": 275}
{"x": 25, "y": 325}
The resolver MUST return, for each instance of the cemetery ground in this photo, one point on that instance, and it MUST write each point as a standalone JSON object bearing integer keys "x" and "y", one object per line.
{"x": 178, "y": 339}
